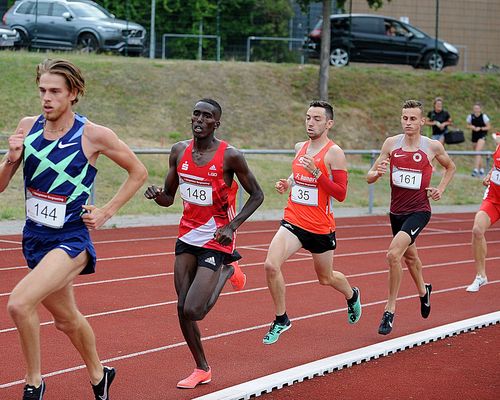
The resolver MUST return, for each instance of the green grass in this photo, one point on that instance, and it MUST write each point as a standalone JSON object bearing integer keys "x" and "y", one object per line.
{"x": 148, "y": 104}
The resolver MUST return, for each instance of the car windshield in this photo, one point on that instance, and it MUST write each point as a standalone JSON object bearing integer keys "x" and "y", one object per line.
{"x": 415, "y": 31}
{"x": 83, "y": 10}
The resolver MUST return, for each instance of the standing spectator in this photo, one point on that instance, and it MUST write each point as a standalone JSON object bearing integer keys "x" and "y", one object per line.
{"x": 439, "y": 119}
{"x": 479, "y": 124}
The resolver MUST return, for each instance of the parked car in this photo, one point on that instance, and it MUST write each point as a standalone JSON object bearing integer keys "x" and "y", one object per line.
{"x": 73, "y": 24}
{"x": 8, "y": 37}
{"x": 379, "y": 39}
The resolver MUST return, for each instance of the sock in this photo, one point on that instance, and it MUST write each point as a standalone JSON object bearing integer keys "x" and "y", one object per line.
{"x": 282, "y": 319}
{"x": 354, "y": 297}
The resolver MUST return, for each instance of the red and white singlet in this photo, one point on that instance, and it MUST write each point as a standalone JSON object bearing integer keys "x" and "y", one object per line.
{"x": 208, "y": 202}
{"x": 493, "y": 192}
{"x": 411, "y": 173}
{"x": 309, "y": 206}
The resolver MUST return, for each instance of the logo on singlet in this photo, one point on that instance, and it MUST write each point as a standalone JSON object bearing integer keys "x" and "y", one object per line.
{"x": 63, "y": 146}
{"x": 417, "y": 157}
{"x": 212, "y": 168}
{"x": 399, "y": 155}
{"x": 185, "y": 166}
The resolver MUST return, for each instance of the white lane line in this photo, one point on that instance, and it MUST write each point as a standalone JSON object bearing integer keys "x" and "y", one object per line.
{"x": 228, "y": 333}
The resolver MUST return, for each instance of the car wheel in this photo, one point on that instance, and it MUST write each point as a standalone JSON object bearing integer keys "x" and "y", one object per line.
{"x": 24, "y": 41}
{"x": 434, "y": 61}
{"x": 339, "y": 57}
{"x": 87, "y": 43}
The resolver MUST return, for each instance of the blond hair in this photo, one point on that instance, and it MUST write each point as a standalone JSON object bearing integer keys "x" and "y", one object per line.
{"x": 70, "y": 72}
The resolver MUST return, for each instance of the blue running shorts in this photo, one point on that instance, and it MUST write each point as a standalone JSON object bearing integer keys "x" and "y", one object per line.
{"x": 73, "y": 241}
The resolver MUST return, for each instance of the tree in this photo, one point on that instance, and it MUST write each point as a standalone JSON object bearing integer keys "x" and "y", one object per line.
{"x": 325, "y": 39}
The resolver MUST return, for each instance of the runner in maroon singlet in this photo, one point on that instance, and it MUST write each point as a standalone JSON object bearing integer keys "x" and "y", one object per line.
{"x": 409, "y": 156}
{"x": 203, "y": 169}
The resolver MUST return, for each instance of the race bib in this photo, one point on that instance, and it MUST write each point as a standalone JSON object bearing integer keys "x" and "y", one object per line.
{"x": 495, "y": 176}
{"x": 196, "y": 194}
{"x": 304, "y": 195}
{"x": 406, "y": 179}
{"x": 45, "y": 208}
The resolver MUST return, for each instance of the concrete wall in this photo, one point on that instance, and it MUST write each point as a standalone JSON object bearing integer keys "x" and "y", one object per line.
{"x": 471, "y": 23}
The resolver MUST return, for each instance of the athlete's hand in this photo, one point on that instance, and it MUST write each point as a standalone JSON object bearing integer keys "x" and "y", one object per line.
{"x": 486, "y": 180}
{"x": 382, "y": 167}
{"x": 16, "y": 146}
{"x": 308, "y": 162}
{"x": 434, "y": 193}
{"x": 224, "y": 235}
{"x": 282, "y": 186}
{"x": 94, "y": 217}
{"x": 152, "y": 192}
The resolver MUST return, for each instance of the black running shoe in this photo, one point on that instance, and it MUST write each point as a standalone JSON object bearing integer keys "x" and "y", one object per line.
{"x": 34, "y": 393}
{"x": 386, "y": 324}
{"x": 101, "y": 390}
{"x": 425, "y": 301}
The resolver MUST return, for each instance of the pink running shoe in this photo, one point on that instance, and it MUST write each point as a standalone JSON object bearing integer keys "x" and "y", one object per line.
{"x": 198, "y": 377}
{"x": 238, "y": 279}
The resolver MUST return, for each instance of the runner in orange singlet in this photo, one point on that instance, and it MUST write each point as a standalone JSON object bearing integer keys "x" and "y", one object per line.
{"x": 409, "y": 156}
{"x": 488, "y": 214}
{"x": 319, "y": 174}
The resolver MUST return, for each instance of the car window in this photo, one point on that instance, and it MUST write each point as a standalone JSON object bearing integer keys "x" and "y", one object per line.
{"x": 394, "y": 28}
{"x": 340, "y": 24}
{"x": 415, "y": 31}
{"x": 84, "y": 10}
{"x": 25, "y": 8}
{"x": 58, "y": 10}
{"x": 41, "y": 8}
{"x": 367, "y": 25}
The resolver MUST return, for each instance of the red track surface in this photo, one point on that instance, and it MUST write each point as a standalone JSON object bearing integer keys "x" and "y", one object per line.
{"x": 131, "y": 305}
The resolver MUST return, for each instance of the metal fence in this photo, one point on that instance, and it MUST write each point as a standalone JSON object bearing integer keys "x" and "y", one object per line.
{"x": 372, "y": 153}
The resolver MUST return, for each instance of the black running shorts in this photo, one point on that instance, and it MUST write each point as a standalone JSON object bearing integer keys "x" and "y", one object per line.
{"x": 208, "y": 258}
{"x": 412, "y": 223}
{"x": 313, "y": 242}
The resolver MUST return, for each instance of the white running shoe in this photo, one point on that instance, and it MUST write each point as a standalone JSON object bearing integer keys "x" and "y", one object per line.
{"x": 478, "y": 282}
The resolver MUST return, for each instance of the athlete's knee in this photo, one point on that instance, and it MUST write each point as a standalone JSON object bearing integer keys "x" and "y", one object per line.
{"x": 17, "y": 309}
{"x": 195, "y": 312}
{"x": 393, "y": 257}
{"x": 67, "y": 325}
{"x": 478, "y": 232}
{"x": 272, "y": 269}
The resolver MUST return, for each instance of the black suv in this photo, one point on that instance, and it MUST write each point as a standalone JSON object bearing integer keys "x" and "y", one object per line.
{"x": 73, "y": 24}
{"x": 378, "y": 39}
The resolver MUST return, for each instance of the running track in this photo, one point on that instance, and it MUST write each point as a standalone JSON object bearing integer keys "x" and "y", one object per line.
{"x": 131, "y": 305}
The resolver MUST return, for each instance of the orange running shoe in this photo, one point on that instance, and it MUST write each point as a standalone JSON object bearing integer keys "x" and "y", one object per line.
{"x": 238, "y": 279}
{"x": 198, "y": 377}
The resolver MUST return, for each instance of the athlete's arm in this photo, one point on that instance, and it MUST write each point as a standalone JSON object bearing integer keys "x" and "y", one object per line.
{"x": 284, "y": 184}
{"x": 336, "y": 162}
{"x": 379, "y": 168}
{"x": 101, "y": 140}
{"x": 444, "y": 159}
{"x": 235, "y": 163}
{"x": 12, "y": 160}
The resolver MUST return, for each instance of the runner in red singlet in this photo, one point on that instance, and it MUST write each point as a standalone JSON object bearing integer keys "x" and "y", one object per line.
{"x": 409, "y": 156}
{"x": 203, "y": 169}
{"x": 319, "y": 174}
{"x": 488, "y": 214}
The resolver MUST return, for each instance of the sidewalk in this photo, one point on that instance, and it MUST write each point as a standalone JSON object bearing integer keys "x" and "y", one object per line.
{"x": 123, "y": 221}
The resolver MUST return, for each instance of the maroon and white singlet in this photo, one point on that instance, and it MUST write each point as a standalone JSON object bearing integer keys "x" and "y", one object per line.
{"x": 411, "y": 173}
{"x": 208, "y": 202}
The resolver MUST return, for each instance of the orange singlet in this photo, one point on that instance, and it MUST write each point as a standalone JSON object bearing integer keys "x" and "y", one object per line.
{"x": 309, "y": 206}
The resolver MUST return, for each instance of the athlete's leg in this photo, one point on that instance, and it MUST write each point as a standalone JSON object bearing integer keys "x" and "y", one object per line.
{"x": 414, "y": 265}
{"x": 69, "y": 320}
{"x": 283, "y": 245}
{"x": 323, "y": 265}
{"x": 478, "y": 160}
{"x": 197, "y": 289}
{"x": 397, "y": 248}
{"x": 481, "y": 224}
{"x": 54, "y": 272}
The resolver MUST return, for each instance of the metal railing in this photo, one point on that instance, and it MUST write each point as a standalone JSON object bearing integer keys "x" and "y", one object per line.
{"x": 199, "y": 37}
{"x": 372, "y": 153}
{"x": 272, "y": 38}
